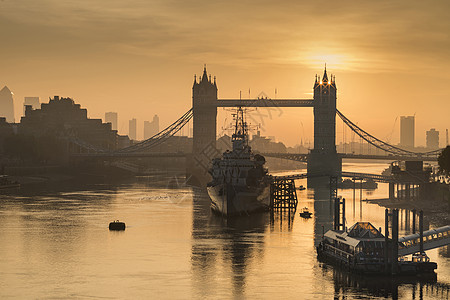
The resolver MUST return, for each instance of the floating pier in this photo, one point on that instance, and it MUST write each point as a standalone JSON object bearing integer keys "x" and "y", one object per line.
{"x": 364, "y": 249}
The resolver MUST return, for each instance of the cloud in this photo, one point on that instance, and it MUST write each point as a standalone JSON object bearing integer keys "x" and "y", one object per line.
{"x": 362, "y": 36}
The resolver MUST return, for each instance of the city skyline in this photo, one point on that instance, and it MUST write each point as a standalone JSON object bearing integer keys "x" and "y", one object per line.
{"x": 139, "y": 58}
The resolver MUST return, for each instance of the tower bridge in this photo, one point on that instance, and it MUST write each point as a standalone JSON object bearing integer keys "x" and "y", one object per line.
{"x": 322, "y": 159}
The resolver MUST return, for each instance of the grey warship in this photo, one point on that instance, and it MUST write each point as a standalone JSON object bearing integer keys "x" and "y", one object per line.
{"x": 240, "y": 184}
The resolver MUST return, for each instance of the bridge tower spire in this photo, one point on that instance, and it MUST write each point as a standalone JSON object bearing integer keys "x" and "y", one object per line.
{"x": 323, "y": 158}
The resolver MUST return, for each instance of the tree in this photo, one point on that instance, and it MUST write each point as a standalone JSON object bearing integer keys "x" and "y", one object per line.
{"x": 444, "y": 161}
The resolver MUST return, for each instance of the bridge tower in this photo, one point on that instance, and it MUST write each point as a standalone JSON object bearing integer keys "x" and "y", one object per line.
{"x": 204, "y": 104}
{"x": 204, "y": 98}
{"x": 323, "y": 159}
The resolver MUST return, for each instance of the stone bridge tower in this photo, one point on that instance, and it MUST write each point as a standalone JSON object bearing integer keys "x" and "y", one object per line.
{"x": 323, "y": 159}
{"x": 204, "y": 104}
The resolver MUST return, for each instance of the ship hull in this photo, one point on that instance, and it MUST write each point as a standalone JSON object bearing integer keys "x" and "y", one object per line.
{"x": 232, "y": 200}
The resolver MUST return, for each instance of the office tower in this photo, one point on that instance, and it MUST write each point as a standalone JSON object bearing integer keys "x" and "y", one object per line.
{"x": 446, "y": 137}
{"x": 433, "y": 139}
{"x": 407, "y": 131}
{"x": 34, "y": 102}
{"x": 7, "y": 104}
{"x": 111, "y": 117}
{"x": 132, "y": 129}
{"x": 151, "y": 128}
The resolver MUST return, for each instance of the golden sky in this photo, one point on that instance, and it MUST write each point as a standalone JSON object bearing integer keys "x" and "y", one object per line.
{"x": 138, "y": 57}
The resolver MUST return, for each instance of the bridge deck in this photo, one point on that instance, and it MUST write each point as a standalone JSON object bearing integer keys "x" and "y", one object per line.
{"x": 265, "y": 102}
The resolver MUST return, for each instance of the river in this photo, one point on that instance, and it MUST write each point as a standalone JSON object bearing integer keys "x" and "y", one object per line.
{"x": 55, "y": 244}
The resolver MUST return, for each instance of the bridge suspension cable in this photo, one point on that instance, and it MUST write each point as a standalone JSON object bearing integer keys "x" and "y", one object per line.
{"x": 161, "y": 136}
{"x": 381, "y": 144}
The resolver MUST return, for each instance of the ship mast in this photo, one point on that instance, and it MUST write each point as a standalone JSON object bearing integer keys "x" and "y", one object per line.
{"x": 240, "y": 136}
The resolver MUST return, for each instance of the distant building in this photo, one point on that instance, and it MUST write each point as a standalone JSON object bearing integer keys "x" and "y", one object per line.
{"x": 63, "y": 118}
{"x": 446, "y": 137}
{"x": 151, "y": 128}
{"x": 132, "y": 129}
{"x": 111, "y": 117}
{"x": 407, "y": 131}
{"x": 433, "y": 139}
{"x": 6, "y": 130}
{"x": 7, "y": 104}
{"x": 123, "y": 141}
{"x": 34, "y": 102}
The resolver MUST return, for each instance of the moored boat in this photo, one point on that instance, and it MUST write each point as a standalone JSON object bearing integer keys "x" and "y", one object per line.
{"x": 240, "y": 184}
{"x": 362, "y": 250}
{"x": 305, "y": 213}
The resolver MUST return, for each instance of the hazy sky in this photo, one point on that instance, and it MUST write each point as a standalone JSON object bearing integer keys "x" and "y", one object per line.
{"x": 390, "y": 58}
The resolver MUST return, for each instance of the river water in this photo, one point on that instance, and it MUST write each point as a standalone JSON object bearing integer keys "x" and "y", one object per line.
{"x": 56, "y": 244}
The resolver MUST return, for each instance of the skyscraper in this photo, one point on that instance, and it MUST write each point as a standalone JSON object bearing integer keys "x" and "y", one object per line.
{"x": 433, "y": 139}
{"x": 111, "y": 117}
{"x": 407, "y": 131}
{"x": 34, "y": 102}
{"x": 151, "y": 128}
{"x": 132, "y": 129}
{"x": 7, "y": 104}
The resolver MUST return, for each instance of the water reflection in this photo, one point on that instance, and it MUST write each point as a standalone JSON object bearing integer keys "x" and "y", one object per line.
{"x": 221, "y": 243}
{"x": 323, "y": 213}
{"x": 58, "y": 244}
{"x": 349, "y": 284}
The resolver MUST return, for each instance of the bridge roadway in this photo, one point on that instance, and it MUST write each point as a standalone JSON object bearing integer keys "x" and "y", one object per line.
{"x": 265, "y": 102}
{"x": 356, "y": 176}
{"x": 301, "y": 157}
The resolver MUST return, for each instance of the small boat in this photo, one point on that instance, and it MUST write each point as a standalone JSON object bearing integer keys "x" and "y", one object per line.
{"x": 301, "y": 188}
{"x": 305, "y": 213}
{"x": 117, "y": 225}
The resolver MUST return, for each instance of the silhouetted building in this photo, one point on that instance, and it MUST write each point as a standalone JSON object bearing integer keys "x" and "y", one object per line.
{"x": 6, "y": 130}
{"x": 7, "y": 104}
{"x": 63, "y": 119}
{"x": 151, "y": 128}
{"x": 433, "y": 139}
{"x": 111, "y": 117}
{"x": 123, "y": 141}
{"x": 34, "y": 102}
{"x": 407, "y": 131}
{"x": 266, "y": 144}
{"x": 446, "y": 137}
{"x": 132, "y": 129}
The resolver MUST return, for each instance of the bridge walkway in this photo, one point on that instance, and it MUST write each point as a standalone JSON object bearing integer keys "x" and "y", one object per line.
{"x": 433, "y": 238}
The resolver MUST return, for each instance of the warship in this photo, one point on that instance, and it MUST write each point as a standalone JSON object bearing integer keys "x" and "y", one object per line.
{"x": 240, "y": 183}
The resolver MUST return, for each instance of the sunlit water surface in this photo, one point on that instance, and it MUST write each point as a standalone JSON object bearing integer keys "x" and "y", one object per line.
{"x": 57, "y": 245}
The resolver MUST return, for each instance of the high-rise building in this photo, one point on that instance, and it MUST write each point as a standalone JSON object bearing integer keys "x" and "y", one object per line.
{"x": 446, "y": 137}
{"x": 407, "y": 131}
{"x": 111, "y": 117}
{"x": 151, "y": 128}
{"x": 34, "y": 102}
{"x": 433, "y": 139}
{"x": 132, "y": 129}
{"x": 7, "y": 104}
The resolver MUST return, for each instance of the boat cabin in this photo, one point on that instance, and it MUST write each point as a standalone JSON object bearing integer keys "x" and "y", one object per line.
{"x": 362, "y": 241}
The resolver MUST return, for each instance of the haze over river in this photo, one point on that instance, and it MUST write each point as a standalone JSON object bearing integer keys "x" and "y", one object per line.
{"x": 55, "y": 243}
